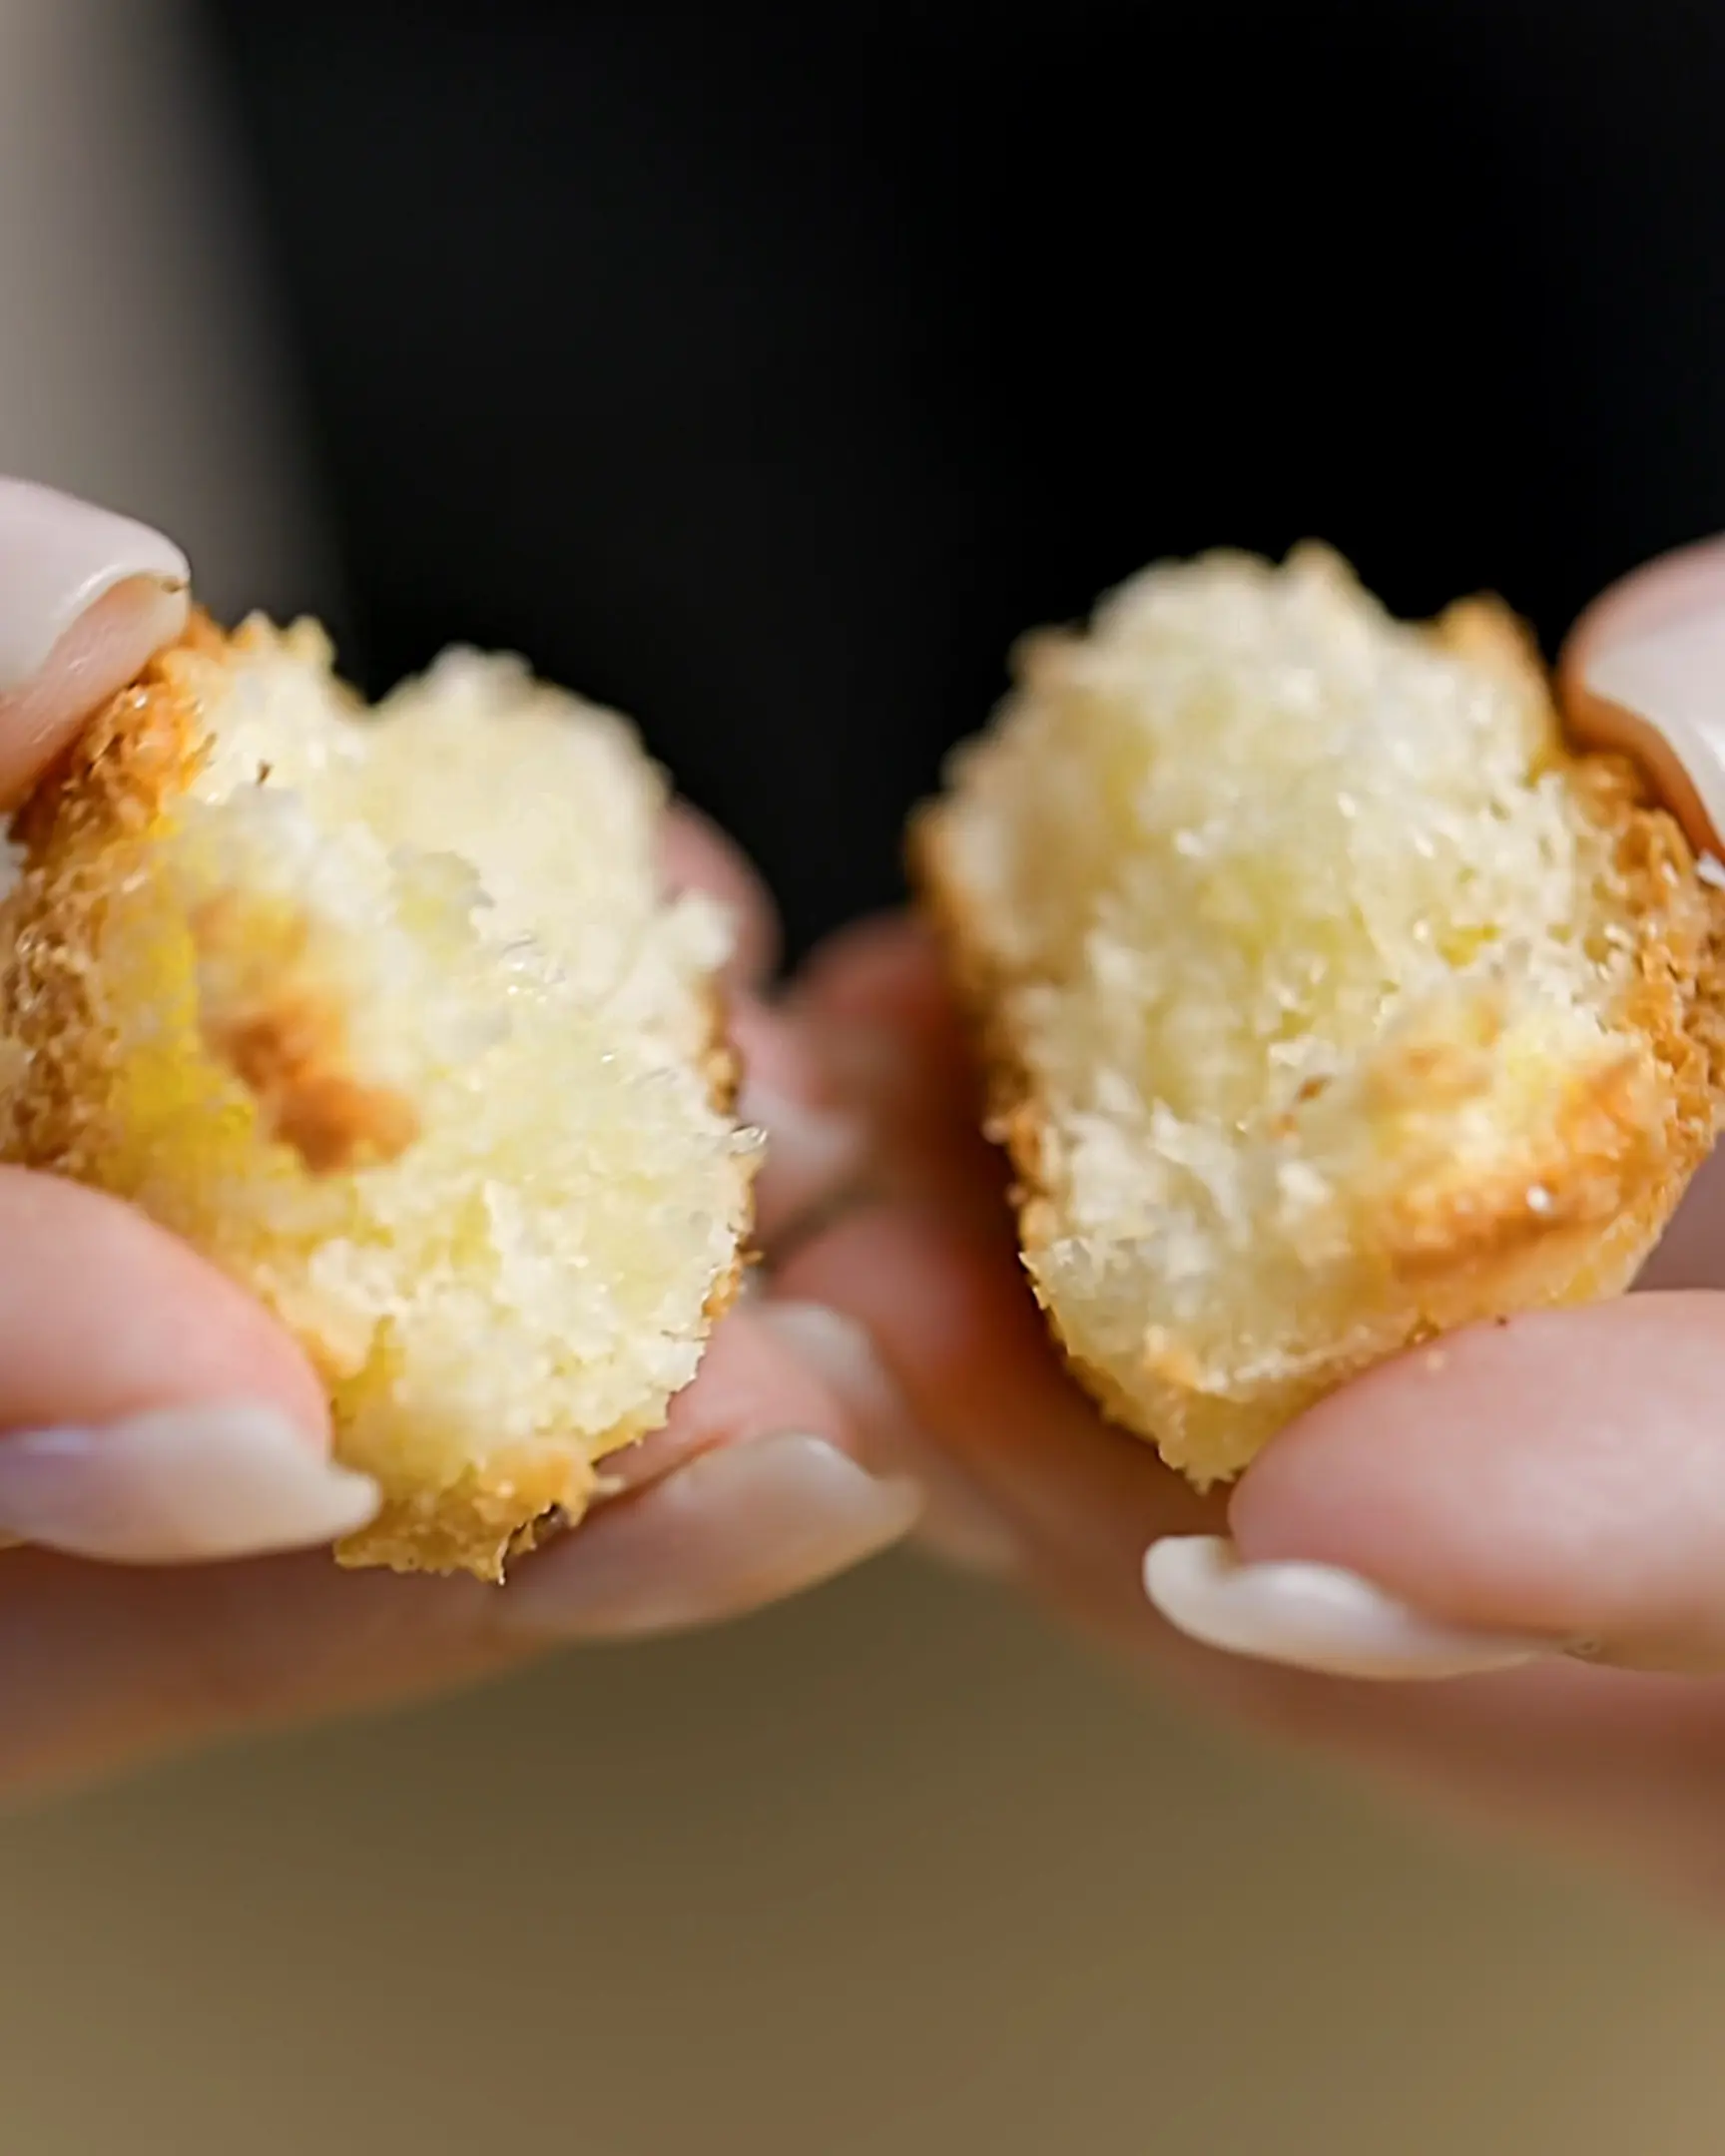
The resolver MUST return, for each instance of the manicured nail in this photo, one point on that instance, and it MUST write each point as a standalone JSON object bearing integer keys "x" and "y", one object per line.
{"x": 219, "y": 1479}
{"x": 1315, "y": 1617}
{"x": 86, "y": 600}
{"x": 737, "y": 1528}
{"x": 1646, "y": 674}
{"x": 956, "y": 1523}
{"x": 58, "y": 557}
{"x": 812, "y": 1155}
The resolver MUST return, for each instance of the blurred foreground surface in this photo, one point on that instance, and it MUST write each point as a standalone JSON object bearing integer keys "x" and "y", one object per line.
{"x": 893, "y": 1872}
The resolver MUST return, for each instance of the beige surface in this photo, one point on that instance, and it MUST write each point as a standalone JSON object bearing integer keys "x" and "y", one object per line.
{"x": 893, "y": 1872}
{"x": 890, "y": 1874}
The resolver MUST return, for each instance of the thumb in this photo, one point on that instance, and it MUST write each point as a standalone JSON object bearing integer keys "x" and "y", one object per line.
{"x": 1548, "y": 1487}
{"x": 86, "y": 597}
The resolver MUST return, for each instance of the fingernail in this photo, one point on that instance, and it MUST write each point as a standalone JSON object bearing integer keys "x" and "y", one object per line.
{"x": 1316, "y": 1617}
{"x": 812, "y": 1148}
{"x": 221, "y": 1479}
{"x": 956, "y": 1523}
{"x": 1647, "y": 677}
{"x": 813, "y": 1162}
{"x": 58, "y": 557}
{"x": 735, "y": 1529}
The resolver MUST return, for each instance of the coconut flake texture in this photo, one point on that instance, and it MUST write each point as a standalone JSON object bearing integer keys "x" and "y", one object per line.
{"x": 1328, "y": 1002}
{"x": 385, "y": 1015}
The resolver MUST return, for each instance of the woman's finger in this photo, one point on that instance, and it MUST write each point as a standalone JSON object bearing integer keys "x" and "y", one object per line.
{"x": 956, "y": 1333}
{"x": 875, "y": 1003}
{"x": 764, "y": 1484}
{"x": 1531, "y": 1491}
{"x": 816, "y": 1145}
{"x": 86, "y": 598}
{"x": 150, "y": 1413}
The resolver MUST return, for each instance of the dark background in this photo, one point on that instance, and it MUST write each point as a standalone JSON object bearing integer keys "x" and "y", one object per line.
{"x": 765, "y": 371}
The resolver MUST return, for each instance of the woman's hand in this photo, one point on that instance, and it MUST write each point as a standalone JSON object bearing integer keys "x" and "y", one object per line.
{"x": 1537, "y": 1509}
{"x": 153, "y": 1418}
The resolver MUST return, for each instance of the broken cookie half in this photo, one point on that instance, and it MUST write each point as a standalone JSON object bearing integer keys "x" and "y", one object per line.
{"x": 1329, "y": 998}
{"x": 387, "y": 1014}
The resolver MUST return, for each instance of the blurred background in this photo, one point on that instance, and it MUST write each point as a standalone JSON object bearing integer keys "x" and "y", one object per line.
{"x": 765, "y": 371}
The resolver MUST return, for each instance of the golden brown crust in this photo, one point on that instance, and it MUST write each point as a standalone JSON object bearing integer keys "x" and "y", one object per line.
{"x": 283, "y": 1032}
{"x": 477, "y": 1526}
{"x": 1572, "y": 1220}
